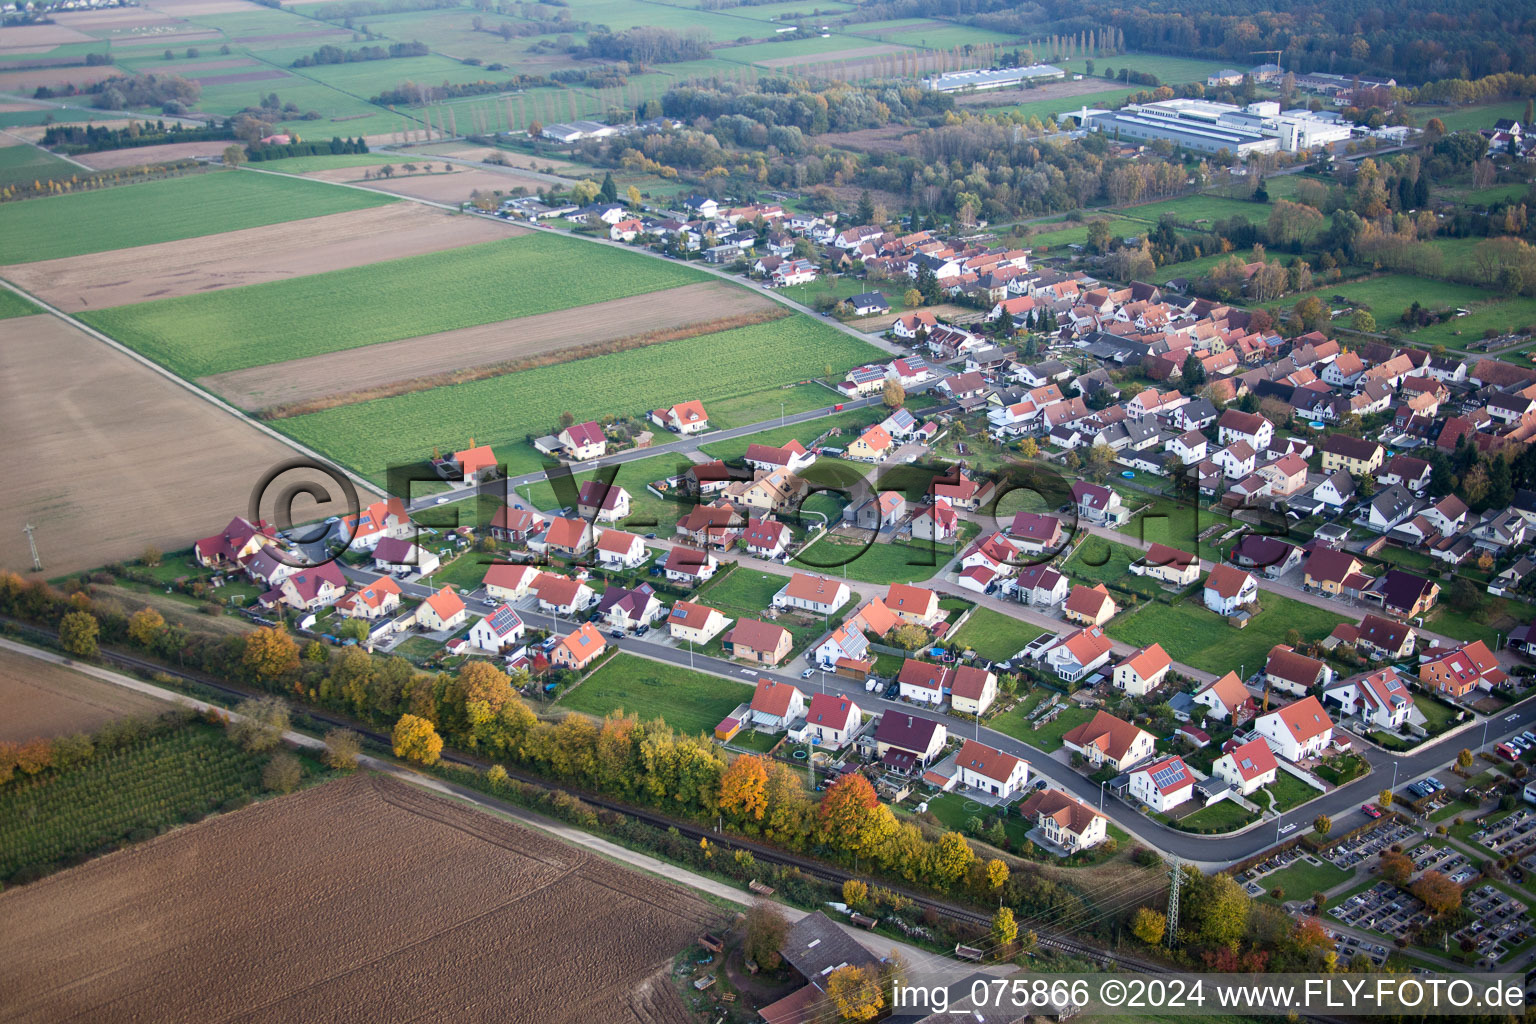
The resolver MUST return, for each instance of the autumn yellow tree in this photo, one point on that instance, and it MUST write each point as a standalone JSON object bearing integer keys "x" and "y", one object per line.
{"x": 484, "y": 683}
{"x": 855, "y": 991}
{"x": 1004, "y": 931}
{"x": 951, "y": 859}
{"x": 342, "y": 749}
{"x": 145, "y": 627}
{"x": 77, "y": 634}
{"x": 855, "y": 893}
{"x": 1029, "y": 448}
{"x": 415, "y": 739}
{"x": 270, "y": 653}
{"x": 997, "y": 873}
{"x": 892, "y": 393}
{"x": 743, "y": 789}
{"x": 1148, "y": 925}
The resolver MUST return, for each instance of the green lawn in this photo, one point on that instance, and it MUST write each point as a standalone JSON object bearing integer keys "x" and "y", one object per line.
{"x": 330, "y": 161}
{"x": 1300, "y": 880}
{"x": 1047, "y": 737}
{"x": 691, "y": 702}
{"x": 1437, "y": 716}
{"x": 1200, "y": 211}
{"x": 647, "y": 513}
{"x": 1490, "y": 622}
{"x": 871, "y": 562}
{"x": 1196, "y": 636}
{"x": 993, "y": 635}
{"x": 1222, "y": 816}
{"x": 195, "y": 335}
{"x": 1177, "y": 524}
{"x": 1289, "y": 791}
{"x": 164, "y": 211}
{"x": 502, "y": 411}
{"x": 22, "y": 165}
{"x": 1097, "y": 560}
{"x": 1077, "y": 234}
{"x": 812, "y": 396}
{"x": 12, "y": 304}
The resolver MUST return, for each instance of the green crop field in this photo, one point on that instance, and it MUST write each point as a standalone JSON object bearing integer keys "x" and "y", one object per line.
{"x": 691, "y": 702}
{"x": 330, "y": 161}
{"x": 121, "y": 794}
{"x": 165, "y": 211}
{"x": 1197, "y": 636}
{"x": 501, "y": 411}
{"x": 808, "y": 51}
{"x": 12, "y": 304}
{"x": 1077, "y": 234}
{"x": 22, "y": 165}
{"x": 403, "y": 298}
{"x": 1199, "y": 211}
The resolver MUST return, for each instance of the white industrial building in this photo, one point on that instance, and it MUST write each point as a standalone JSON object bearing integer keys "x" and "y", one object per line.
{"x": 1208, "y": 127}
{"x": 992, "y": 78}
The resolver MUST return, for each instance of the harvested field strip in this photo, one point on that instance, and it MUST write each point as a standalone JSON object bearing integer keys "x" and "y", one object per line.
{"x": 43, "y": 699}
{"x": 273, "y": 252}
{"x": 199, "y": 335}
{"x": 163, "y": 211}
{"x": 94, "y": 419}
{"x": 399, "y": 367}
{"x": 418, "y": 889}
{"x": 503, "y": 410}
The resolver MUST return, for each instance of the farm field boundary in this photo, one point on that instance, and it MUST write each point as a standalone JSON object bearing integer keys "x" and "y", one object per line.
{"x": 272, "y": 252}
{"x": 387, "y": 301}
{"x": 43, "y": 699}
{"x": 476, "y": 353}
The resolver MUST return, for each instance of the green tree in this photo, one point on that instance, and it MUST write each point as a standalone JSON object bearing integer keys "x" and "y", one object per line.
{"x": 1193, "y": 370}
{"x": 353, "y": 629}
{"x": 1322, "y": 824}
{"x": 609, "y": 191}
{"x": 77, "y": 634}
{"x": 766, "y": 930}
{"x": 912, "y": 299}
{"x": 1217, "y": 909}
{"x": 1362, "y": 320}
{"x": 866, "y": 211}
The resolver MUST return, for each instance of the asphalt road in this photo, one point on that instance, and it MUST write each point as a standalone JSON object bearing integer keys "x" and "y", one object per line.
{"x": 1342, "y": 804}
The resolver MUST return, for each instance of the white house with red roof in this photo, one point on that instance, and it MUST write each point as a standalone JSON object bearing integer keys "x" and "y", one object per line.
{"x": 238, "y": 541}
{"x": 685, "y": 418}
{"x": 1380, "y": 697}
{"x": 506, "y": 582}
{"x": 1162, "y": 785}
{"x": 514, "y": 525}
{"x": 1229, "y": 589}
{"x": 690, "y": 566}
{"x": 318, "y": 586}
{"x": 442, "y": 611}
{"x": 923, "y": 681}
{"x": 475, "y": 463}
{"x": 1074, "y": 655}
{"x": 501, "y": 628}
{"x": 618, "y": 549}
{"x": 775, "y": 704}
{"x": 1246, "y": 766}
{"x": 765, "y": 538}
{"x": 1228, "y": 699}
{"x": 938, "y": 522}
{"x": 991, "y": 771}
{"x": 561, "y": 594}
{"x": 583, "y": 441}
{"x": 972, "y": 690}
{"x": 602, "y": 502}
{"x": 1142, "y": 672}
{"x": 817, "y": 594}
{"x": 1297, "y": 731}
{"x": 374, "y": 601}
{"x": 832, "y": 719}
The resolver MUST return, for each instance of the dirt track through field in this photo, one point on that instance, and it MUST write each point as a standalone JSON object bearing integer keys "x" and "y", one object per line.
{"x": 107, "y": 456}
{"x": 361, "y": 900}
{"x": 43, "y": 699}
{"x": 413, "y": 363}
{"x": 273, "y": 252}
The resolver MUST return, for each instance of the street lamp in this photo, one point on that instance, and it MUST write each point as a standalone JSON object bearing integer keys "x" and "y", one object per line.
{"x": 1101, "y": 797}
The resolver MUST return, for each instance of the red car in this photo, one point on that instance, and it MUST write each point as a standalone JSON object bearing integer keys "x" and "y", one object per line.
{"x": 1371, "y": 809}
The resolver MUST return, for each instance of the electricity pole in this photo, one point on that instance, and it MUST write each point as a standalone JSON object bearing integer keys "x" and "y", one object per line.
{"x": 1175, "y": 879}
{"x": 37, "y": 563}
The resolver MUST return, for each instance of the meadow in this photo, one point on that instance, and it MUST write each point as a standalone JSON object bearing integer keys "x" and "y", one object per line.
{"x": 12, "y": 304}
{"x": 690, "y": 702}
{"x": 502, "y": 411}
{"x": 22, "y": 165}
{"x": 165, "y": 211}
{"x": 387, "y": 301}
{"x": 1196, "y": 636}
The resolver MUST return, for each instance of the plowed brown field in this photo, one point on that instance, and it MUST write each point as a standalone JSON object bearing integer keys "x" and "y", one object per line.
{"x": 43, "y": 699}
{"x": 303, "y": 380}
{"x": 440, "y": 187}
{"x": 361, "y": 900}
{"x": 106, "y": 456}
{"x": 273, "y": 252}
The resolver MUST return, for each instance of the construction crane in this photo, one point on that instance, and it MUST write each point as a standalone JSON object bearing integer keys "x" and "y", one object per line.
{"x": 1277, "y": 53}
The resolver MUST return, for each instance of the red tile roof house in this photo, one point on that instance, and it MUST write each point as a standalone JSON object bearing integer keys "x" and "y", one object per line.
{"x": 1460, "y": 670}
{"x": 1162, "y": 785}
{"x": 515, "y": 525}
{"x": 686, "y": 418}
{"x": 1167, "y": 565}
{"x": 1142, "y": 672}
{"x": 1228, "y": 590}
{"x": 561, "y": 594}
{"x": 441, "y": 611}
{"x": 1107, "y": 740}
{"x": 583, "y": 441}
{"x": 1247, "y": 767}
{"x": 1297, "y": 731}
{"x": 923, "y": 681}
{"x": 757, "y": 641}
{"x": 1228, "y": 699}
{"x": 775, "y": 705}
{"x": 690, "y": 566}
{"x": 373, "y": 601}
{"x": 904, "y": 741}
{"x": 510, "y": 582}
{"x": 238, "y": 541}
{"x": 832, "y": 719}
{"x": 991, "y": 771}
{"x": 1090, "y": 606}
{"x": 765, "y": 538}
{"x": 602, "y": 502}
{"x": 1078, "y": 653}
{"x": 1064, "y": 822}
{"x": 695, "y": 623}
{"x": 1292, "y": 672}
{"x": 317, "y": 587}
{"x": 565, "y": 538}
{"x": 578, "y": 649}
{"x": 973, "y": 690}
{"x": 915, "y": 605}
{"x": 1380, "y": 698}
{"x": 473, "y": 464}
{"x": 812, "y": 593}
{"x": 617, "y": 549}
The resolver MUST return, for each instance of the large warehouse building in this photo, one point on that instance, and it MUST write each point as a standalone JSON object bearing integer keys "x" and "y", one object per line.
{"x": 995, "y": 78}
{"x": 1208, "y": 127}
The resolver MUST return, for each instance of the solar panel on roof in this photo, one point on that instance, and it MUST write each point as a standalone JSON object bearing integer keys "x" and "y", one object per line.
{"x": 1168, "y": 775}
{"x": 504, "y": 620}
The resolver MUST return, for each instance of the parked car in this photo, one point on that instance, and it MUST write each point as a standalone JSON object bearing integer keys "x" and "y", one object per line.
{"x": 808, "y": 673}
{"x": 1507, "y": 752}
{"x": 1371, "y": 809}
{"x": 1434, "y": 784}
{"x": 617, "y": 634}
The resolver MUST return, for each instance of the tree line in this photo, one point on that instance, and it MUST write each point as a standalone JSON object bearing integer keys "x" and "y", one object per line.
{"x": 336, "y": 55}
{"x": 90, "y": 138}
